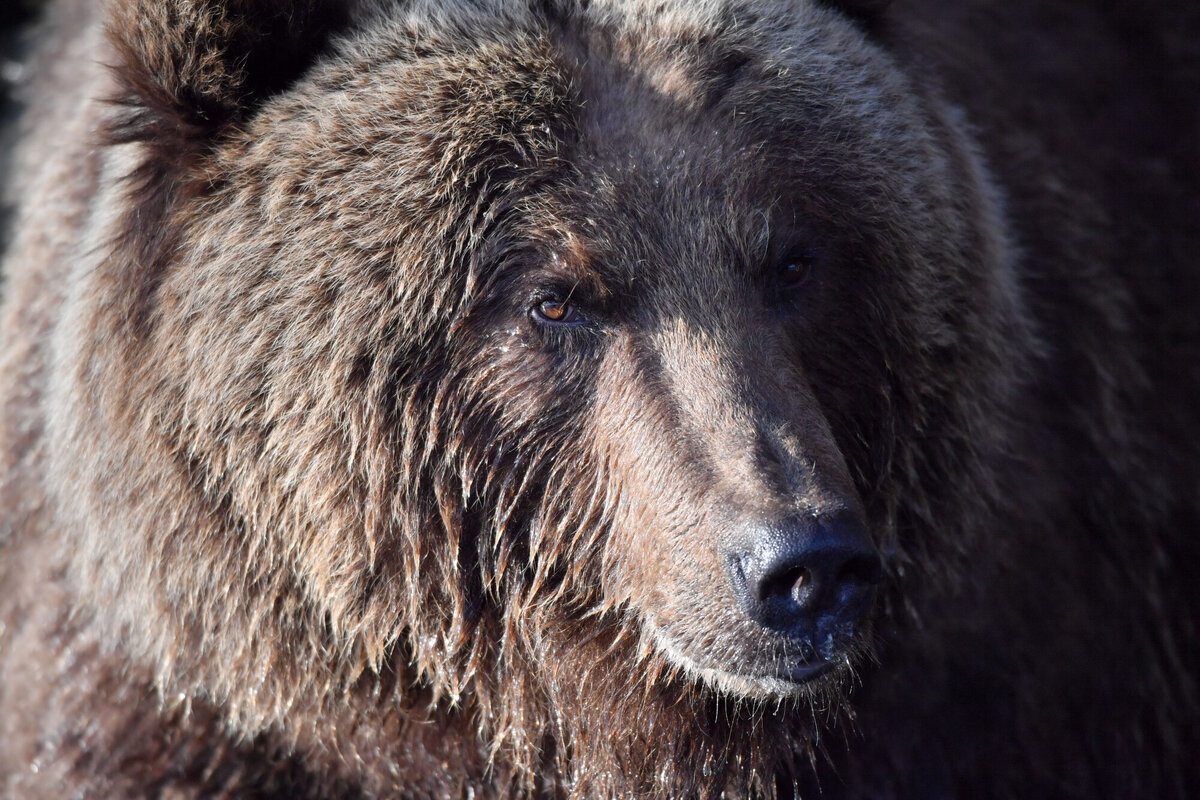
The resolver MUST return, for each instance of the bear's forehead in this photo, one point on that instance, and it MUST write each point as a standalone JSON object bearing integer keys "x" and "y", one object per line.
{"x": 623, "y": 83}
{"x": 652, "y": 120}
{"x": 628, "y": 65}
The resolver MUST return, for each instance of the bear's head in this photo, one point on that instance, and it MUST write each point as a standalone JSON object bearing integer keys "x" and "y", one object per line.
{"x": 578, "y": 369}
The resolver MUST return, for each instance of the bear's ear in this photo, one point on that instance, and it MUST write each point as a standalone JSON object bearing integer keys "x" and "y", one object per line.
{"x": 189, "y": 66}
{"x": 867, "y": 12}
{"x": 186, "y": 71}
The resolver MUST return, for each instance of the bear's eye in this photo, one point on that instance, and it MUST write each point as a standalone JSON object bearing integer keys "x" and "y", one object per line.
{"x": 795, "y": 271}
{"x": 556, "y": 312}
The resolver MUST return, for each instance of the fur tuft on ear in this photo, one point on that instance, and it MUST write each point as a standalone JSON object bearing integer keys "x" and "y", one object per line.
{"x": 189, "y": 66}
{"x": 186, "y": 71}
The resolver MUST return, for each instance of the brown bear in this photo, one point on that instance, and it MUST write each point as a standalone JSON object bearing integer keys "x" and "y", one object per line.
{"x": 691, "y": 398}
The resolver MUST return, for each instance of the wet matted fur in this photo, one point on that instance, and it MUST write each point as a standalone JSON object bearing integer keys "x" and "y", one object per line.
{"x": 301, "y": 497}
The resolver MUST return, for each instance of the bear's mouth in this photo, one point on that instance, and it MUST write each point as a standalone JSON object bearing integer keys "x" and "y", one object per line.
{"x": 781, "y": 677}
{"x": 797, "y": 680}
{"x": 807, "y": 671}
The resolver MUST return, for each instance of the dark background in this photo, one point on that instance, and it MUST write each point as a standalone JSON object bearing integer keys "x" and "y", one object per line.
{"x": 15, "y": 18}
{"x": 16, "y": 10}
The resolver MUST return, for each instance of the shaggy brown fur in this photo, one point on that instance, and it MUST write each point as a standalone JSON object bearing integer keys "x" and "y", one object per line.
{"x": 299, "y": 497}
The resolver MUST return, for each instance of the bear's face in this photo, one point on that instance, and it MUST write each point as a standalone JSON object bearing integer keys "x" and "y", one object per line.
{"x": 511, "y": 337}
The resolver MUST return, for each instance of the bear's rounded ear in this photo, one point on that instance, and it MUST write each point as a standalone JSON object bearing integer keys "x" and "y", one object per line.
{"x": 192, "y": 65}
{"x": 867, "y": 12}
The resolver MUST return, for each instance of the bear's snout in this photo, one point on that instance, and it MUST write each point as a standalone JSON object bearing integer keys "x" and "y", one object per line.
{"x": 806, "y": 577}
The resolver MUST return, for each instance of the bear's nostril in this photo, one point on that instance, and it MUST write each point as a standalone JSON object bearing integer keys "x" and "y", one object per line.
{"x": 802, "y": 585}
{"x": 794, "y": 583}
{"x": 802, "y": 572}
{"x": 861, "y": 569}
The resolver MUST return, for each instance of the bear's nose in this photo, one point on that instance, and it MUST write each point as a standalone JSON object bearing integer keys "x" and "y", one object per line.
{"x": 806, "y": 576}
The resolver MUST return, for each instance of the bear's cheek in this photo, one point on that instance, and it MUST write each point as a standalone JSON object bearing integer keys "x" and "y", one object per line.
{"x": 532, "y": 390}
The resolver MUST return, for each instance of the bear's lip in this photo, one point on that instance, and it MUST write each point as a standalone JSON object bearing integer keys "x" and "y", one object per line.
{"x": 797, "y": 676}
{"x": 805, "y": 671}
{"x": 797, "y": 680}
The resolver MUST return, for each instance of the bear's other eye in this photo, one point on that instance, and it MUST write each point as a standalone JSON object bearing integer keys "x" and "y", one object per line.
{"x": 795, "y": 271}
{"x": 556, "y": 312}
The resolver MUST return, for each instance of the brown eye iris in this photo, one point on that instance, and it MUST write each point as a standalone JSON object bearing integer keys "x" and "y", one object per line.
{"x": 554, "y": 310}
